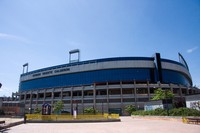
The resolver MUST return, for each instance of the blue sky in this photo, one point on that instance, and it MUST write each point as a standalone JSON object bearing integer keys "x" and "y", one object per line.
{"x": 43, "y": 32}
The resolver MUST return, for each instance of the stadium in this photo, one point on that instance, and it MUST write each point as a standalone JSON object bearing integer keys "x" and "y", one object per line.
{"x": 107, "y": 84}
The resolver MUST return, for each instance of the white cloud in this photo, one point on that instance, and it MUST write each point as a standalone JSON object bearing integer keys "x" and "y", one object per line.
{"x": 192, "y": 49}
{"x": 13, "y": 37}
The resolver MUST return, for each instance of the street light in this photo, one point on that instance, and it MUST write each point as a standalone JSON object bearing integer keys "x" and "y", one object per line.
{"x": 137, "y": 97}
{"x": 29, "y": 110}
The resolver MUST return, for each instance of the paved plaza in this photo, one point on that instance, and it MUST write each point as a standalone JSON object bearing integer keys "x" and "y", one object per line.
{"x": 127, "y": 125}
{"x": 11, "y": 120}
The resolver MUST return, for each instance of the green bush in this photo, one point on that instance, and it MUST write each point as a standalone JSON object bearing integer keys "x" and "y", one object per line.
{"x": 129, "y": 109}
{"x": 90, "y": 110}
{"x": 58, "y": 106}
{"x": 37, "y": 111}
{"x": 2, "y": 112}
{"x": 172, "y": 112}
{"x": 184, "y": 112}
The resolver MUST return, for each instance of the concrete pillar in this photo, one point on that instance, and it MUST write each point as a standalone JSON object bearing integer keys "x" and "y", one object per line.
{"x": 44, "y": 95}
{"x": 37, "y": 95}
{"x": 20, "y": 96}
{"x": 71, "y": 100}
{"x": 171, "y": 88}
{"x": 121, "y": 95}
{"x": 107, "y": 89}
{"x": 31, "y": 100}
{"x": 82, "y": 99}
{"x": 135, "y": 94}
{"x": 52, "y": 96}
{"x": 187, "y": 91}
{"x": 180, "y": 90}
{"x": 148, "y": 90}
{"x": 94, "y": 95}
{"x": 25, "y": 98}
{"x": 61, "y": 94}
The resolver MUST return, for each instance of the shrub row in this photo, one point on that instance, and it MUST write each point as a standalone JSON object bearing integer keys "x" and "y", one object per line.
{"x": 172, "y": 112}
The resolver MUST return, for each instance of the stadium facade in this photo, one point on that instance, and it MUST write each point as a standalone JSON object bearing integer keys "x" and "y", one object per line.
{"x": 107, "y": 85}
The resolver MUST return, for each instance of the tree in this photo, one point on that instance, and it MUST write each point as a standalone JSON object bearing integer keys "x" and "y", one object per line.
{"x": 160, "y": 94}
{"x": 163, "y": 95}
{"x": 129, "y": 109}
{"x": 37, "y": 111}
{"x": 90, "y": 110}
{"x": 2, "y": 112}
{"x": 58, "y": 106}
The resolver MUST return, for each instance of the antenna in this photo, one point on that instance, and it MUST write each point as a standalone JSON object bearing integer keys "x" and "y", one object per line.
{"x": 75, "y": 52}
{"x": 25, "y": 65}
{"x": 182, "y": 61}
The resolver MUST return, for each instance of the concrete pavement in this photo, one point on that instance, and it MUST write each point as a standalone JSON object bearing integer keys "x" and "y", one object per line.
{"x": 11, "y": 120}
{"x": 127, "y": 125}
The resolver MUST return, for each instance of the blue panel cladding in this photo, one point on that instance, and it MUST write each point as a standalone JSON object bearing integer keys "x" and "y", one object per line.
{"x": 84, "y": 78}
{"x": 175, "y": 77}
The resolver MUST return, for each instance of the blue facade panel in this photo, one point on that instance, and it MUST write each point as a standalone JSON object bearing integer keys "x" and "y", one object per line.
{"x": 175, "y": 77}
{"x": 84, "y": 78}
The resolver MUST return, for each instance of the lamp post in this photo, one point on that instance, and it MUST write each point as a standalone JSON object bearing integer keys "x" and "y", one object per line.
{"x": 29, "y": 110}
{"x": 138, "y": 106}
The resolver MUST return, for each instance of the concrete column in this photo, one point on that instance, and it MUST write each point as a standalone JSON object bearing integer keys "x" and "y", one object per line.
{"x": 148, "y": 90}
{"x": 192, "y": 91}
{"x": 61, "y": 94}
{"x": 71, "y": 100}
{"x": 25, "y": 97}
{"x": 31, "y": 100}
{"x": 121, "y": 95}
{"x": 17, "y": 96}
{"x": 52, "y": 96}
{"x": 44, "y": 95}
{"x": 94, "y": 95}
{"x": 37, "y": 95}
{"x": 82, "y": 99}
{"x": 135, "y": 95}
{"x": 187, "y": 91}
{"x": 20, "y": 96}
{"x": 171, "y": 88}
{"x": 180, "y": 90}
{"x": 159, "y": 85}
{"x": 107, "y": 89}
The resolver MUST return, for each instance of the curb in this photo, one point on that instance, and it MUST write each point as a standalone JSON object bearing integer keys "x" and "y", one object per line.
{"x": 5, "y": 127}
{"x": 166, "y": 118}
{"x": 73, "y": 121}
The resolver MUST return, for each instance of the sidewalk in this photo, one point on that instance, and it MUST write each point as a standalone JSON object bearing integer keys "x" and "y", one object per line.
{"x": 127, "y": 125}
{"x": 11, "y": 120}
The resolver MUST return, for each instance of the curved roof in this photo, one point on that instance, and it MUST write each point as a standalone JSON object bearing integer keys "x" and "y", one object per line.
{"x": 97, "y": 61}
